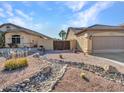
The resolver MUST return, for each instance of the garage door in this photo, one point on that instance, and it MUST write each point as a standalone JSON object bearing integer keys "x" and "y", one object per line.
{"x": 108, "y": 44}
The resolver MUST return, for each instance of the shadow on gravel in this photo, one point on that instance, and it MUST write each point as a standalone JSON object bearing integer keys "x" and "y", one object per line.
{"x": 13, "y": 71}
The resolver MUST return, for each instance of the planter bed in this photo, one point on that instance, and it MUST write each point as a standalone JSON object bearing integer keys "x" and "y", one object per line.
{"x": 8, "y": 78}
{"x": 72, "y": 82}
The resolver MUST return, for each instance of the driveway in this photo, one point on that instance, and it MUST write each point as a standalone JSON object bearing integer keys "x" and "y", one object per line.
{"x": 112, "y": 56}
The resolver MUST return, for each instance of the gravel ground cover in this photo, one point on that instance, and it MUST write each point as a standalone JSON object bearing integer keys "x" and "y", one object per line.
{"x": 42, "y": 81}
{"x": 70, "y": 77}
{"x": 9, "y": 78}
{"x": 31, "y": 77}
{"x": 80, "y": 57}
{"x": 72, "y": 82}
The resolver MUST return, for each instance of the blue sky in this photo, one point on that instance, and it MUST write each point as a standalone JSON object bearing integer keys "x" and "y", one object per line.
{"x": 50, "y": 17}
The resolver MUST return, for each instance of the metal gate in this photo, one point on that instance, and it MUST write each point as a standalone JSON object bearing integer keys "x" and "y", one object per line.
{"x": 61, "y": 45}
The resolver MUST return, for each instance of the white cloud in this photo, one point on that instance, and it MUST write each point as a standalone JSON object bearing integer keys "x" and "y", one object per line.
{"x": 8, "y": 8}
{"x": 18, "y": 17}
{"x": 22, "y": 14}
{"x": 2, "y": 13}
{"x": 17, "y": 21}
{"x": 36, "y": 26}
{"x": 75, "y": 5}
{"x": 27, "y": 3}
{"x": 89, "y": 16}
{"x": 25, "y": 23}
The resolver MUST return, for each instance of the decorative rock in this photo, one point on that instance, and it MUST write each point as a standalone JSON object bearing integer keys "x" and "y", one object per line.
{"x": 27, "y": 80}
{"x": 118, "y": 81}
{"x": 23, "y": 84}
{"x": 31, "y": 82}
{"x": 37, "y": 55}
{"x": 108, "y": 72}
{"x": 110, "y": 69}
{"x": 39, "y": 81}
{"x": 0, "y": 90}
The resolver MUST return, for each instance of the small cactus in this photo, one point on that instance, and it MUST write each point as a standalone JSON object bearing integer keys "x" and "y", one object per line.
{"x": 82, "y": 75}
{"x": 61, "y": 56}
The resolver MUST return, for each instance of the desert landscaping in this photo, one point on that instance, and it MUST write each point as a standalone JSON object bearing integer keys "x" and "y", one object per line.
{"x": 62, "y": 71}
{"x": 73, "y": 82}
{"x": 68, "y": 46}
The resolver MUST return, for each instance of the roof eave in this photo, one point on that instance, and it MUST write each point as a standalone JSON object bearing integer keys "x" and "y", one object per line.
{"x": 22, "y": 28}
{"x": 97, "y": 30}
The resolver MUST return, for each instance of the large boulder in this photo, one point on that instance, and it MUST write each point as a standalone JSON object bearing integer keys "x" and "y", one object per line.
{"x": 110, "y": 69}
{"x": 36, "y": 55}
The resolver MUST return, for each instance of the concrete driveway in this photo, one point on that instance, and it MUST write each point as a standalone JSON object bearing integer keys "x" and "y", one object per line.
{"x": 112, "y": 56}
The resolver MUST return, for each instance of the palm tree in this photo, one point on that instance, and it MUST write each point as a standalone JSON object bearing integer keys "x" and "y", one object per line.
{"x": 62, "y": 34}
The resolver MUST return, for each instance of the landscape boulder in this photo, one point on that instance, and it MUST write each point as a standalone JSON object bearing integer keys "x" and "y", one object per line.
{"x": 110, "y": 69}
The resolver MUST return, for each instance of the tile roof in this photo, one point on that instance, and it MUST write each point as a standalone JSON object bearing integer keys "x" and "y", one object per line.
{"x": 76, "y": 29}
{"x": 99, "y": 26}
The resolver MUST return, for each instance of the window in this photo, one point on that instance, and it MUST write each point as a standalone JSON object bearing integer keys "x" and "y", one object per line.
{"x": 16, "y": 39}
{"x": 8, "y": 27}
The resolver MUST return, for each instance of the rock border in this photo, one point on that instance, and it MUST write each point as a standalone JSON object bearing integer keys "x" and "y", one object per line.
{"x": 115, "y": 76}
{"x": 44, "y": 80}
{"x": 63, "y": 70}
{"x": 40, "y": 76}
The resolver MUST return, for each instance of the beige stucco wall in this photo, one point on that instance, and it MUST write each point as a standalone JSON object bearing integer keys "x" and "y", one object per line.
{"x": 81, "y": 41}
{"x": 84, "y": 40}
{"x": 47, "y": 43}
{"x": 71, "y": 36}
{"x": 27, "y": 39}
{"x": 73, "y": 44}
{"x": 4, "y": 28}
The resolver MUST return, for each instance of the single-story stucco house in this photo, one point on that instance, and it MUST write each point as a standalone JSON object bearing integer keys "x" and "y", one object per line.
{"x": 24, "y": 37}
{"x": 98, "y": 38}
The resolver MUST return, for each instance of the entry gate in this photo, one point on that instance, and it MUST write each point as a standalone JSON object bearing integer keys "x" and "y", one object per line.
{"x": 61, "y": 45}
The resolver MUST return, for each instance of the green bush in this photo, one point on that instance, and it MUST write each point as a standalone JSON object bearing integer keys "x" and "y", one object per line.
{"x": 13, "y": 64}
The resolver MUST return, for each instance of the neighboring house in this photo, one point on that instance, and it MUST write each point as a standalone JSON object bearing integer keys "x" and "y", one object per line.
{"x": 98, "y": 38}
{"x": 24, "y": 37}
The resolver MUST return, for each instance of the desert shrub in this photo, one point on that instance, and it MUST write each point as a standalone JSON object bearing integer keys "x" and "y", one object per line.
{"x": 60, "y": 56}
{"x": 13, "y": 64}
